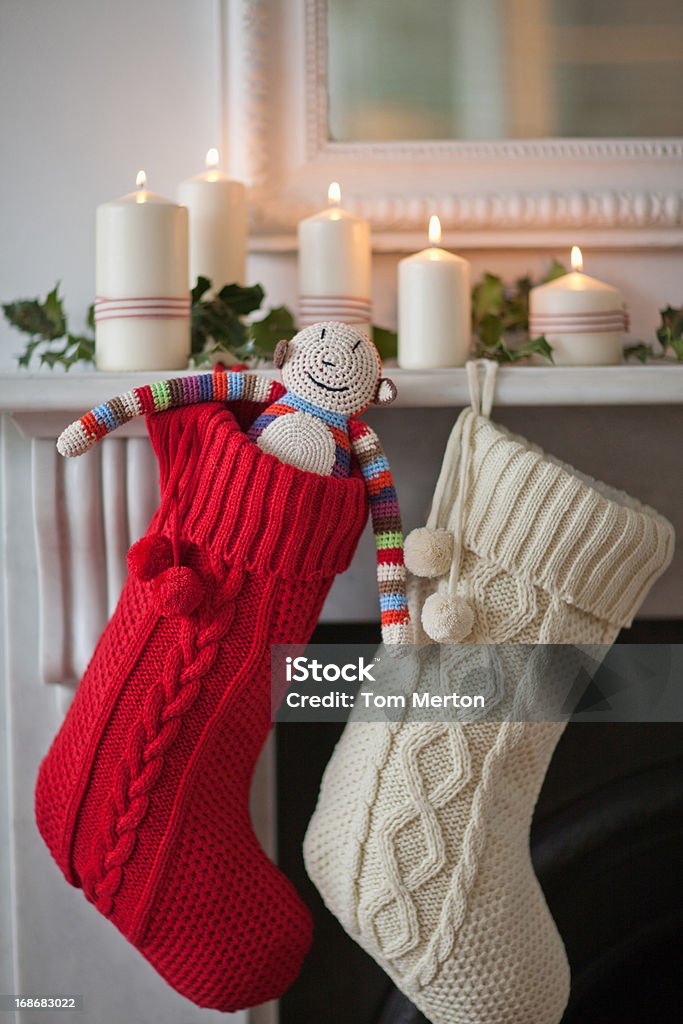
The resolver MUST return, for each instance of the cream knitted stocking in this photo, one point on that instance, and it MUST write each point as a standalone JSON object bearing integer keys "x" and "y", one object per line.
{"x": 420, "y": 840}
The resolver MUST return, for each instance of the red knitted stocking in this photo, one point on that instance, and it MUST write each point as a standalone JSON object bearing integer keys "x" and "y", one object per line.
{"x": 143, "y": 798}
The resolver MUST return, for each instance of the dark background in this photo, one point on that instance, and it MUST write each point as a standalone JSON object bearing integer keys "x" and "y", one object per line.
{"x": 607, "y": 843}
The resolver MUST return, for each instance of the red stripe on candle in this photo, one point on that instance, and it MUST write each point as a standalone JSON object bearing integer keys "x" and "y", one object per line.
{"x": 143, "y": 298}
{"x": 141, "y": 316}
{"x": 149, "y": 307}
{"x": 334, "y": 298}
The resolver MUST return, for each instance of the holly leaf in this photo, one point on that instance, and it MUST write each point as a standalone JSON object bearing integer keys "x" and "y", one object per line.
{"x": 516, "y": 316}
{"x": 54, "y": 313}
{"x": 25, "y": 358}
{"x": 670, "y": 333}
{"x": 33, "y": 317}
{"x": 523, "y": 286}
{"x": 386, "y": 342}
{"x": 536, "y": 346}
{"x": 80, "y": 349}
{"x": 677, "y": 346}
{"x": 214, "y": 321}
{"x": 557, "y": 269}
{"x": 276, "y": 325}
{"x": 51, "y": 357}
{"x": 242, "y": 300}
{"x": 639, "y": 351}
{"x": 498, "y": 351}
{"x": 488, "y": 298}
{"x": 201, "y": 288}
{"x": 503, "y": 353}
{"x": 490, "y": 330}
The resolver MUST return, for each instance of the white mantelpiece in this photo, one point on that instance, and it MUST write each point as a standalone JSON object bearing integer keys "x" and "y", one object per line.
{"x": 25, "y": 395}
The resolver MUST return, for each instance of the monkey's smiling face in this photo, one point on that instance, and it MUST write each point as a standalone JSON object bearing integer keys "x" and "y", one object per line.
{"x": 333, "y": 366}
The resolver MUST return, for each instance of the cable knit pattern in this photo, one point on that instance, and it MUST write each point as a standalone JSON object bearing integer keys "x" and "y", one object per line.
{"x": 419, "y": 843}
{"x": 143, "y": 798}
{"x": 153, "y": 734}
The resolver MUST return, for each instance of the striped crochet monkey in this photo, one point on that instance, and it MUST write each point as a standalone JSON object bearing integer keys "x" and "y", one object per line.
{"x": 330, "y": 374}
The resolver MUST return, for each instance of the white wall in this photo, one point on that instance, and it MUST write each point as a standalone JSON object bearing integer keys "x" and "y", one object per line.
{"x": 90, "y": 92}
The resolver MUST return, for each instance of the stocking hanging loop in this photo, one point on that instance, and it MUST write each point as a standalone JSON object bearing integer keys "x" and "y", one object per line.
{"x": 481, "y": 398}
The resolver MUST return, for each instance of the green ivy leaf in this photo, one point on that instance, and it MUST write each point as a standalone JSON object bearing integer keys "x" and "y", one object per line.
{"x": 276, "y": 325}
{"x": 386, "y": 342}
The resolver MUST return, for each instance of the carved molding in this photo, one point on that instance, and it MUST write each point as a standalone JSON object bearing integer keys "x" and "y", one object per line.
{"x": 290, "y": 89}
{"x": 527, "y": 149}
{"x": 255, "y": 40}
{"x": 317, "y": 142}
{"x": 602, "y": 208}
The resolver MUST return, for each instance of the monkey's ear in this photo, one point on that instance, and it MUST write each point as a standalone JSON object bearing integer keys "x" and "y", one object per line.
{"x": 386, "y": 392}
{"x": 280, "y": 353}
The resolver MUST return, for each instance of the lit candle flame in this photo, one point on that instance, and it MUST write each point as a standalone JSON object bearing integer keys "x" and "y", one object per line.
{"x": 212, "y": 159}
{"x": 576, "y": 258}
{"x": 334, "y": 194}
{"x": 434, "y": 230}
{"x": 141, "y": 179}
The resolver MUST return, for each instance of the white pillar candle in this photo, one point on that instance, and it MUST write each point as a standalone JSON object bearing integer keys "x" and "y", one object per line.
{"x": 434, "y": 307}
{"x": 142, "y": 306}
{"x": 335, "y": 258}
{"x": 583, "y": 319}
{"x": 218, "y": 225}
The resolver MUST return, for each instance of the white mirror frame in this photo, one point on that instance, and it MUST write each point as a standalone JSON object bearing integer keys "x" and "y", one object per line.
{"x": 542, "y": 193}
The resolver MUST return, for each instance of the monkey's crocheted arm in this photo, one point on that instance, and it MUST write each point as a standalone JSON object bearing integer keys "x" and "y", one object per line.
{"x": 219, "y": 386}
{"x": 386, "y": 525}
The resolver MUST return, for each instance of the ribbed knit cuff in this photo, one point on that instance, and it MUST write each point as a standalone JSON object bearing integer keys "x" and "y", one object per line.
{"x": 246, "y": 506}
{"x": 591, "y": 545}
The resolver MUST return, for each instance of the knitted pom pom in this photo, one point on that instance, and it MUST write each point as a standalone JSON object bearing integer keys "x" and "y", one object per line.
{"x": 428, "y": 552}
{"x": 447, "y": 619}
{"x": 178, "y": 591}
{"x": 150, "y": 556}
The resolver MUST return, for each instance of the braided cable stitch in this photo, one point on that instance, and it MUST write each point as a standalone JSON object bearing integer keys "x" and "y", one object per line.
{"x": 157, "y": 728}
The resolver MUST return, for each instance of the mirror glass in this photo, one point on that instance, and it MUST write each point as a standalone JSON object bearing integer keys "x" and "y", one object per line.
{"x": 504, "y": 69}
